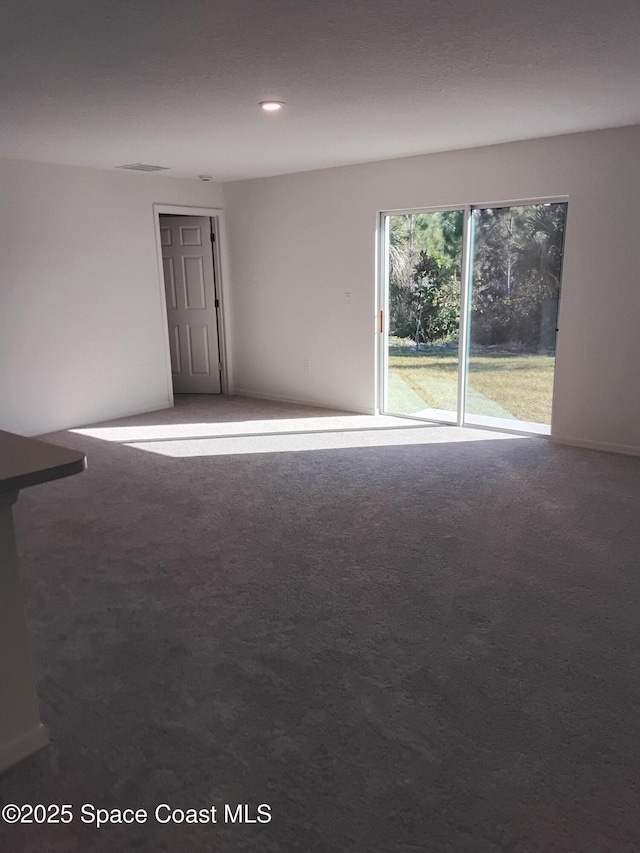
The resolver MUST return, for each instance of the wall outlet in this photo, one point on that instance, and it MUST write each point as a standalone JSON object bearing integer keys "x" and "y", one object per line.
{"x": 347, "y": 297}
{"x": 307, "y": 365}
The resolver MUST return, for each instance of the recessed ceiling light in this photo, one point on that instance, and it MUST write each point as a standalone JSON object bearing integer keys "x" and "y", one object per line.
{"x": 271, "y": 106}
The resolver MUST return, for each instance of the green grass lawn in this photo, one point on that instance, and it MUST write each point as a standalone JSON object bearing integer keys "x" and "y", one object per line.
{"x": 519, "y": 383}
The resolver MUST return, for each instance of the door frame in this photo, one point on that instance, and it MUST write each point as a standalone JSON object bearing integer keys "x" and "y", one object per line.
{"x": 220, "y": 267}
{"x": 382, "y": 296}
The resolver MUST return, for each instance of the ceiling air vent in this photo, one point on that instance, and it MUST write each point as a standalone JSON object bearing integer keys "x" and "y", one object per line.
{"x": 143, "y": 167}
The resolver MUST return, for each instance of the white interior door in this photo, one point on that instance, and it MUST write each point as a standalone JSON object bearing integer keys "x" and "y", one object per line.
{"x": 190, "y": 289}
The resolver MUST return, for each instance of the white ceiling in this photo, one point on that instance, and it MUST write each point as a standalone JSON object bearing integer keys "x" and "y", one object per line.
{"x": 176, "y": 83}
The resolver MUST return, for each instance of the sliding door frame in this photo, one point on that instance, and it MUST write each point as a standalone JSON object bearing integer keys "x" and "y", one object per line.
{"x": 466, "y": 282}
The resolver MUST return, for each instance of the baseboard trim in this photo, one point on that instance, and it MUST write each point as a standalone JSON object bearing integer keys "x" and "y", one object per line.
{"x": 302, "y": 401}
{"x": 23, "y": 746}
{"x": 625, "y": 449}
{"x": 127, "y": 414}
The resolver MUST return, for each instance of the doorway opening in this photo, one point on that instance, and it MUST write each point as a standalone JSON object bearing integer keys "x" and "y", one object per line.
{"x": 189, "y": 248}
{"x": 470, "y": 301}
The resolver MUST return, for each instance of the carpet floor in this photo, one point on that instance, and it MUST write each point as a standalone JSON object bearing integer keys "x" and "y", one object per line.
{"x": 404, "y": 639}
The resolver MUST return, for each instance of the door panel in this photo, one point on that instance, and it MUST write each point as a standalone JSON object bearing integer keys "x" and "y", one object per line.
{"x": 514, "y": 297}
{"x": 198, "y": 343}
{"x": 424, "y": 267}
{"x": 190, "y": 235}
{"x": 170, "y": 283}
{"x": 174, "y": 349}
{"x": 194, "y": 283}
{"x": 189, "y": 281}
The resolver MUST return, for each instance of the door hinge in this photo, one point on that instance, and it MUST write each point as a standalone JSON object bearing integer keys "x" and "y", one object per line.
{"x": 216, "y": 303}
{"x": 220, "y": 366}
{"x": 213, "y": 237}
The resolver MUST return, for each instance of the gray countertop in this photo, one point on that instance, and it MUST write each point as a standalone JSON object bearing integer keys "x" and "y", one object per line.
{"x": 29, "y": 461}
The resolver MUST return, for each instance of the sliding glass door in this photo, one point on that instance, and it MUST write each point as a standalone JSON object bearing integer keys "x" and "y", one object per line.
{"x": 471, "y": 310}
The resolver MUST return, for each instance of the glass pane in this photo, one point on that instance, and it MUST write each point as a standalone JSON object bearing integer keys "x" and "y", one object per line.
{"x": 515, "y": 292}
{"x": 424, "y": 266}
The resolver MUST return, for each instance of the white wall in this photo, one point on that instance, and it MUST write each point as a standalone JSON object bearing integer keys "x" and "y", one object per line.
{"x": 81, "y": 335}
{"x": 299, "y": 242}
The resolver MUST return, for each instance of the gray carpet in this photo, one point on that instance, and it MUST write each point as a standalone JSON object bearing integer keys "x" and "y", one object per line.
{"x": 422, "y": 647}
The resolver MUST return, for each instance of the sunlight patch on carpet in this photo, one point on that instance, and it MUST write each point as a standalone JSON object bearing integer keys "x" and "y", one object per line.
{"x": 285, "y": 435}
